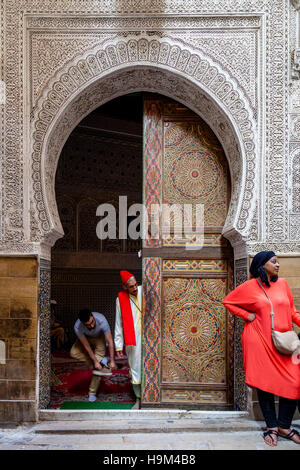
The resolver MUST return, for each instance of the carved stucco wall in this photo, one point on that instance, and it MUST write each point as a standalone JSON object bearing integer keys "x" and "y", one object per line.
{"x": 294, "y": 125}
{"x": 235, "y": 62}
{"x": 239, "y": 131}
{"x": 186, "y": 50}
{"x": 118, "y": 66}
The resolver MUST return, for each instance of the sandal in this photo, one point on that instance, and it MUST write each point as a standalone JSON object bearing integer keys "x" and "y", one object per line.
{"x": 290, "y": 435}
{"x": 269, "y": 433}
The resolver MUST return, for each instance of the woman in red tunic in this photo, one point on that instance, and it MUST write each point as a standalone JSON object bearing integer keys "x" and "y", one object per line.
{"x": 270, "y": 372}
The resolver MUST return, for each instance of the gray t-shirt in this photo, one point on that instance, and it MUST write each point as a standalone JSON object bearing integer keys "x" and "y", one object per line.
{"x": 101, "y": 327}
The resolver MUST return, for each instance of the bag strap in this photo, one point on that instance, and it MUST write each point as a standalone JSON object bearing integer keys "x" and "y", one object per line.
{"x": 272, "y": 311}
{"x": 135, "y": 304}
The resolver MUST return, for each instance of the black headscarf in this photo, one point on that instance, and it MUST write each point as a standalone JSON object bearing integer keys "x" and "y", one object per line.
{"x": 257, "y": 266}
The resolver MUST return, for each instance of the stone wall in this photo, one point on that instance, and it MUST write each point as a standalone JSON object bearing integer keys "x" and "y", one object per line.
{"x": 18, "y": 331}
{"x": 290, "y": 270}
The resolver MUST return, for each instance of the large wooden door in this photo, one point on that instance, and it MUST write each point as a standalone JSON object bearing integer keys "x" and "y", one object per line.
{"x": 188, "y": 336}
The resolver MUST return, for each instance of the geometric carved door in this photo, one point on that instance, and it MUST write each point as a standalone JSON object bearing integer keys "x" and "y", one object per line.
{"x": 188, "y": 335}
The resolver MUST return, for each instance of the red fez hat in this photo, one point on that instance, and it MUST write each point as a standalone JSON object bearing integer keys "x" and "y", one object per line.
{"x": 125, "y": 275}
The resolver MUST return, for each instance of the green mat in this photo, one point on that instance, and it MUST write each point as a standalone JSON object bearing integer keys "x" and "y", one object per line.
{"x": 96, "y": 405}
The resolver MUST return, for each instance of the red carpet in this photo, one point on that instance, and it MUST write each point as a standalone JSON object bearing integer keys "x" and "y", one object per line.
{"x": 70, "y": 382}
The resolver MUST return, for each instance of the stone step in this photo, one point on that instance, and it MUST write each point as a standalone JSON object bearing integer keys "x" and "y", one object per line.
{"x": 155, "y": 422}
{"x": 157, "y": 426}
{"x": 157, "y": 414}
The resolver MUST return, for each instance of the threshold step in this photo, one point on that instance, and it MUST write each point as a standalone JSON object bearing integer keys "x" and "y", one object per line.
{"x": 76, "y": 415}
{"x": 147, "y": 426}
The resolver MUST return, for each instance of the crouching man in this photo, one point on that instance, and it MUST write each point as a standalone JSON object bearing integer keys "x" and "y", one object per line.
{"x": 93, "y": 332}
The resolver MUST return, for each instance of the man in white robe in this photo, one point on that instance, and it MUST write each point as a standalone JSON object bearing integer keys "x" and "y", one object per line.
{"x": 128, "y": 328}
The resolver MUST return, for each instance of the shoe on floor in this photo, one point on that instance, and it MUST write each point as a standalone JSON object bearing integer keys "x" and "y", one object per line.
{"x": 103, "y": 371}
{"x": 92, "y": 398}
{"x": 104, "y": 362}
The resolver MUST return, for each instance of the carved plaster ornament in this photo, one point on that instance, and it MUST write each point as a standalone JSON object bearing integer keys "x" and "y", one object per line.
{"x": 69, "y": 20}
{"x": 115, "y": 55}
{"x": 296, "y": 4}
{"x": 296, "y": 66}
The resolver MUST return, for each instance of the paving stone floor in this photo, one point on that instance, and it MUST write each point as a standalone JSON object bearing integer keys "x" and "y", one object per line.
{"x": 49, "y": 436}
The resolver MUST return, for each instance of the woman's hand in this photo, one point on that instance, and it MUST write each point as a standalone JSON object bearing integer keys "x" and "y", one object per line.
{"x": 251, "y": 316}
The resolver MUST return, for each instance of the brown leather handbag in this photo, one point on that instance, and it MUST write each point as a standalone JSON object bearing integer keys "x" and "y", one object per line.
{"x": 285, "y": 342}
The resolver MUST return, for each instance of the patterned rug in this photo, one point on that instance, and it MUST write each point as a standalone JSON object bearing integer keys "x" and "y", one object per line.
{"x": 70, "y": 382}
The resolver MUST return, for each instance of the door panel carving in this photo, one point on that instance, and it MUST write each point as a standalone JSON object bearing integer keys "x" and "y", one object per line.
{"x": 195, "y": 169}
{"x": 194, "y": 328}
{"x": 192, "y": 346}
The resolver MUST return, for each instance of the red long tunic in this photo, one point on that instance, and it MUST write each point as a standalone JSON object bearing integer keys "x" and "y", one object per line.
{"x": 265, "y": 368}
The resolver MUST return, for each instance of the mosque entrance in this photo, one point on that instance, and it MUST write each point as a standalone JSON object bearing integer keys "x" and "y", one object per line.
{"x": 100, "y": 162}
{"x": 153, "y": 151}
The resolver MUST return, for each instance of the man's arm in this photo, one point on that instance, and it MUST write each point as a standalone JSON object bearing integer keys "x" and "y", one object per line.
{"x": 89, "y": 350}
{"x": 109, "y": 340}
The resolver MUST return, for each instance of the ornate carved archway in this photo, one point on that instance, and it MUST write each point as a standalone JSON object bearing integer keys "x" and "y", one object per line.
{"x": 144, "y": 63}
{"x": 154, "y": 64}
